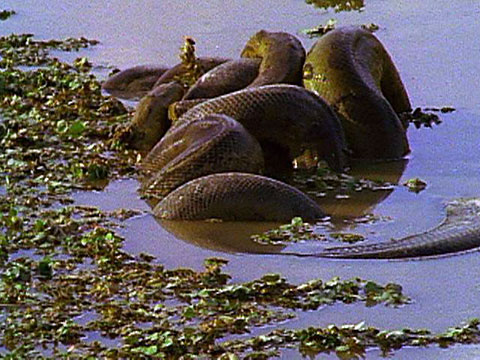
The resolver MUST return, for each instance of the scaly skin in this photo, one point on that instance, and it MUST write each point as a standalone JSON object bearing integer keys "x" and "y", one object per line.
{"x": 459, "y": 232}
{"x": 211, "y": 144}
{"x": 237, "y": 196}
{"x": 285, "y": 119}
{"x": 151, "y": 121}
{"x": 225, "y": 78}
{"x": 133, "y": 82}
{"x": 353, "y": 72}
{"x": 179, "y": 70}
{"x": 282, "y": 56}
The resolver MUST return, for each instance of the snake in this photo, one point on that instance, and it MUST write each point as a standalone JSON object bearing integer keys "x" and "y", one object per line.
{"x": 198, "y": 170}
{"x": 351, "y": 69}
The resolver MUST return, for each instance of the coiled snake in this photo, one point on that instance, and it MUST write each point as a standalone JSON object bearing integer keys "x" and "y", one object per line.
{"x": 208, "y": 163}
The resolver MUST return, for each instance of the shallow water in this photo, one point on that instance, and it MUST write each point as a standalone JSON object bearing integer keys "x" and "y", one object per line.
{"x": 436, "y": 49}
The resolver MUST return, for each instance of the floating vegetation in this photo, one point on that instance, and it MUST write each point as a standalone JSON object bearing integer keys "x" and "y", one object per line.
{"x": 324, "y": 181}
{"x": 338, "y": 5}
{"x": 331, "y": 24}
{"x": 371, "y": 27}
{"x": 349, "y": 238}
{"x": 5, "y": 14}
{"x": 296, "y": 231}
{"x": 320, "y": 30}
{"x": 60, "y": 263}
{"x": 22, "y": 49}
{"x": 415, "y": 185}
{"x": 419, "y": 117}
{"x": 67, "y": 288}
{"x": 190, "y": 62}
{"x": 352, "y": 341}
{"x": 443, "y": 109}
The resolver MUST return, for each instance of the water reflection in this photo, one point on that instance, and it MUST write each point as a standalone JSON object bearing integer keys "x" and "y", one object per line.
{"x": 362, "y": 203}
{"x": 338, "y": 5}
{"x": 223, "y": 236}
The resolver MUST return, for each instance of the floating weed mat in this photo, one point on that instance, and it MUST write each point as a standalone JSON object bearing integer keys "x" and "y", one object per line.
{"x": 153, "y": 311}
{"x": 300, "y": 231}
{"x": 24, "y": 50}
{"x": 351, "y": 341}
{"x": 322, "y": 182}
{"x": 296, "y": 231}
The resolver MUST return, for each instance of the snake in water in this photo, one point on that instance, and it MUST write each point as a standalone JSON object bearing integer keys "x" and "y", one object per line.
{"x": 349, "y": 68}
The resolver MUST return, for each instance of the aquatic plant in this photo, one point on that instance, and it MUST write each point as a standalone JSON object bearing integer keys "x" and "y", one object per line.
{"x": 5, "y": 14}
{"x": 338, "y": 5}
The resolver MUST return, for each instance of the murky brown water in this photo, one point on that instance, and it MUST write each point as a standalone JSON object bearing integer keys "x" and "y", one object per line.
{"x": 435, "y": 46}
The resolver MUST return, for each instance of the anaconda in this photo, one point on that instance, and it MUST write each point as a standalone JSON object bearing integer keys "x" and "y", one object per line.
{"x": 237, "y": 196}
{"x": 285, "y": 119}
{"x": 351, "y": 69}
{"x": 460, "y": 231}
{"x": 211, "y": 144}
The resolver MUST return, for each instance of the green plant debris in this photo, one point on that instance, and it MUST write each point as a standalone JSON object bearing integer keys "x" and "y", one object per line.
{"x": 5, "y": 14}
{"x": 322, "y": 181}
{"x": 348, "y": 237}
{"x": 56, "y": 137}
{"x": 371, "y": 27}
{"x": 338, "y": 5}
{"x": 296, "y": 231}
{"x": 419, "y": 118}
{"x": 352, "y": 341}
{"x": 193, "y": 69}
{"x": 24, "y": 50}
{"x": 330, "y": 25}
{"x": 60, "y": 262}
{"x": 443, "y": 109}
{"x": 320, "y": 30}
{"x": 415, "y": 185}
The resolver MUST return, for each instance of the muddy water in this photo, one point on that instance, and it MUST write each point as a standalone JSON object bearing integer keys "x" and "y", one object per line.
{"x": 435, "y": 46}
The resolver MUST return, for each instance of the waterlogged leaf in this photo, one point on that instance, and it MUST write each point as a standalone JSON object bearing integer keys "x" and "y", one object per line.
{"x": 77, "y": 128}
{"x": 146, "y": 350}
{"x": 45, "y": 267}
{"x": 415, "y": 185}
{"x": 189, "y": 313}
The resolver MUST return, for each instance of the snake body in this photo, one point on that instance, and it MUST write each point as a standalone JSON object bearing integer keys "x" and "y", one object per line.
{"x": 134, "y": 81}
{"x": 285, "y": 119}
{"x": 460, "y": 231}
{"x": 211, "y": 144}
{"x": 350, "y": 68}
{"x": 228, "y": 77}
{"x": 207, "y": 163}
{"x": 251, "y": 199}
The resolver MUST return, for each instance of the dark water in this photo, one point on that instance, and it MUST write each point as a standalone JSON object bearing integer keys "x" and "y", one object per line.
{"x": 435, "y": 46}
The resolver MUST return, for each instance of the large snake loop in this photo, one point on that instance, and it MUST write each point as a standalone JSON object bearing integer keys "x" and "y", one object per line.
{"x": 207, "y": 164}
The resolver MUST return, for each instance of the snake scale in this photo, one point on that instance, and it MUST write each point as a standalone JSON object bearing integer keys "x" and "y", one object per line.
{"x": 233, "y": 125}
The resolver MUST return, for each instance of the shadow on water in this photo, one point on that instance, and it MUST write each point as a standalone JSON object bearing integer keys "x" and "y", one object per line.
{"x": 222, "y": 236}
